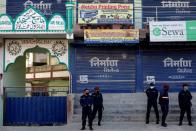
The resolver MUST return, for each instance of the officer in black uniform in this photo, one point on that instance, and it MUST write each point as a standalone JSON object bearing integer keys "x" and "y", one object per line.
{"x": 164, "y": 103}
{"x": 185, "y": 104}
{"x": 97, "y": 104}
{"x": 86, "y": 102}
{"x": 152, "y": 94}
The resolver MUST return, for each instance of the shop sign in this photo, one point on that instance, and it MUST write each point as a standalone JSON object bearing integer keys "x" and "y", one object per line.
{"x": 168, "y": 10}
{"x": 172, "y": 31}
{"x": 5, "y": 23}
{"x": 111, "y": 36}
{"x": 168, "y": 31}
{"x": 15, "y": 48}
{"x": 105, "y": 13}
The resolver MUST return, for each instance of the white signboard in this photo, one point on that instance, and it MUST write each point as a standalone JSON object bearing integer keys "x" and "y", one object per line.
{"x": 30, "y": 20}
{"x": 57, "y": 23}
{"x": 5, "y": 23}
{"x": 168, "y": 31}
{"x": 17, "y": 47}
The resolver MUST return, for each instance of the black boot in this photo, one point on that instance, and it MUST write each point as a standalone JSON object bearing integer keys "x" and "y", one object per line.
{"x": 157, "y": 122}
{"x": 99, "y": 123}
{"x": 164, "y": 124}
{"x": 90, "y": 128}
{"x": 190, "y": 123}
{"x": 147, "y": 121}
{"x": 180, "y": 123}
{"x": 83, "y": 128}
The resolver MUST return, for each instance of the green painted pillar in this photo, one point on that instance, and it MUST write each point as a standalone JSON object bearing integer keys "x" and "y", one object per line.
{"x": 69, "y": 19}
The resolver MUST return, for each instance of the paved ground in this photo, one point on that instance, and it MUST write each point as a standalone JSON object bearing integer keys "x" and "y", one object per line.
{"x": 108, "y": 127}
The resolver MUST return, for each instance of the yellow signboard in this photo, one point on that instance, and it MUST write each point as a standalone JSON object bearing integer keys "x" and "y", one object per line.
{"x": 111, "y": 36}
{"x": 106, "y": 13}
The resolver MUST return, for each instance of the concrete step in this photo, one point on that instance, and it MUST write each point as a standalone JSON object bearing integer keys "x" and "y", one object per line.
{"x": 131, "y": 108}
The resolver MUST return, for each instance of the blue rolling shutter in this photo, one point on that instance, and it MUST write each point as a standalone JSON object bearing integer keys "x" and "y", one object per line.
{"x": 118, "y": 75}
{"x": 171, "y": 67}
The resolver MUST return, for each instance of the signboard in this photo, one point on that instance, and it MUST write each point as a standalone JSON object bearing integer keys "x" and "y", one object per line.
{"x": 111, "y": 36}
{"x": 172, "y": 31}
{"x": 170, "y": 67}
{"x": 168, "y": 10}
{"x": 5, "y": 23}
{"x": 15, "y": 48}
{"x": 106, "y": 13}
{"x": 105, "y": 68}
{"x": 32, "y": 21}
{"x": 46, "y": 7}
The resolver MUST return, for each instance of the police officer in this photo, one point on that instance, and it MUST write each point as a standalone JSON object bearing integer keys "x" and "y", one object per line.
{"x": 164, "y": 103}
{"x": 86, "y": 103}
{"x": 97, "y": 104}
{"x": 184, "y": 98}
{"x": 152, "y": 94}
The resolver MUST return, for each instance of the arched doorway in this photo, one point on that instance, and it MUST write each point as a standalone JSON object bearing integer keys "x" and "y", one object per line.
{"x": 38, "y": 82}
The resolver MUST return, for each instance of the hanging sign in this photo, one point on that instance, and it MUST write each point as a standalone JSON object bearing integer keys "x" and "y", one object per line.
{"x": 105, "y": 13}
{"x": 111, "y": 36}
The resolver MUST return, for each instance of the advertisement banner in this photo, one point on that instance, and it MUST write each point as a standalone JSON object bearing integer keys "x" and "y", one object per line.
{"x": 46, "y": 7}
{"x": 168, "y": 10}
{"x": 105, "y": 13}
{"x": 168, "y": 31}
{"x": 111, "y": 36}
{"x": 172, "y": 31}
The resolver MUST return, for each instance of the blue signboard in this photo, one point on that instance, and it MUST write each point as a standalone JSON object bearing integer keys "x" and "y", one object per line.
{"x": 111, "y": 69}
{"x": 168, "y": 10}
{"x": 47, "y": 7}
{"x": 173, "y": 68}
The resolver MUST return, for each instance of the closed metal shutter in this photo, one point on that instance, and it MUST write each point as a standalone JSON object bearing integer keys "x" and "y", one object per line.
{"x": 173, "y": 67}
{"x": 112, "y": 69}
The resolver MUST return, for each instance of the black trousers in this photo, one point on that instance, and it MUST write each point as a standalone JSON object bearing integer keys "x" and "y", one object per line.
{"x": 98, "y": 109}
{"x": 188, "y": 112}
{"x": 164, "y": 109}
{"x": 86, "y": 112}
{"x": 154, "y": 105}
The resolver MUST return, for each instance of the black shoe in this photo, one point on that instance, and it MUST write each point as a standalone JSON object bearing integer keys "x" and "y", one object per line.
{"x": 83, "y": 128}
{"x": 90, "y": 128}
{"x": 99, "y": 123}
{"x": 164, "y": 124}
{"x": 147, "y": 121}
{"x": 157, "y": 122}
{"x": 180, "y": 123}
{"x": 190, "y": 124}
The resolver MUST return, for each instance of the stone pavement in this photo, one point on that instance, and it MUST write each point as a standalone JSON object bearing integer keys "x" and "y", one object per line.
{"x": 108, "y": 127}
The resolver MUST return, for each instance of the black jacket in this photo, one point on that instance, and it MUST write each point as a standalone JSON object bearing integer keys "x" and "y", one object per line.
{"x": 152, "y": 95}
{"x": 86, "y": 101}
{"x": 164, "y": 98}
{"x": 97, "y": 99}
{"x": 184, "y": 99}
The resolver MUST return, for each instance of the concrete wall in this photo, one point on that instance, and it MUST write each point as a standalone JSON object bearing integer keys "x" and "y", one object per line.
{"x": 59, "y": 85}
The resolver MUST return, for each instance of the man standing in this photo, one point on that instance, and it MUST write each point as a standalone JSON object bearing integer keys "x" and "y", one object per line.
{"x": 184, "y": 99}
{"x": 86, "y": 103}
{"x": 97, "y": 104}
{"x": 152, "y": 94}
{"x": 164, "y": 103}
